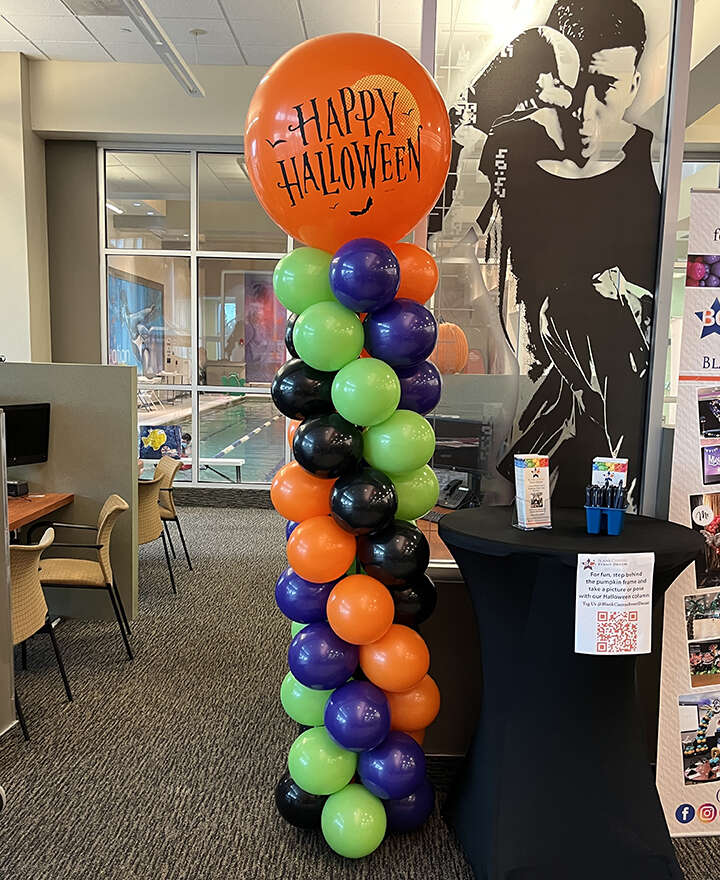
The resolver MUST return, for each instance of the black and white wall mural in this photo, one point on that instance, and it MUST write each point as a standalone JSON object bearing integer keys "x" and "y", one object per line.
{"x": 547, "y": 232}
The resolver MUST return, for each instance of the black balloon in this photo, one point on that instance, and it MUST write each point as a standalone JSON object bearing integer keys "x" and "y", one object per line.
{"x": 301, "y": 392}
{"x": 364, "y": 502}
{"x": 397, "y": 556}
{"x": 296, "y": 805}
{"x": 416, "y": 602}
{"x": 289, "y": 327}
{"x": 328, "y": 446}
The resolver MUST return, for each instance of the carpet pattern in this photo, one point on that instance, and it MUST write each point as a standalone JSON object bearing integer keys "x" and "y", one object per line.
{"x": 164, "y": 769}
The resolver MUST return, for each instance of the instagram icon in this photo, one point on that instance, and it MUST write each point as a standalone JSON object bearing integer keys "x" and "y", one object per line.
{"x": 707, "y": 813}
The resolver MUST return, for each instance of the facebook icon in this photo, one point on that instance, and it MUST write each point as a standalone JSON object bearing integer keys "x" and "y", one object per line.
{"x": 685, "y": 813}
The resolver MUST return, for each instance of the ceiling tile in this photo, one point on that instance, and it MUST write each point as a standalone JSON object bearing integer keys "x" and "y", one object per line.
{"x": 218, "y": 32}
{"x": 337, "y": 15}
{"x": 263, "y": 55}
{"x": 272, "y": 10}
{"x": 184, "y": 8}
{"x": 74, "y": 51}
{"x": 8, "y": 32}
{"x": 209, "y": 54}
{"x": 34, "y": 7}
{"x": 400, "y": 11}
{"x": 132, "y": 53}
{"x": 269, "y": 33}
{"x": 23, "y": 46}
{"x": 57, "y": 28}
{"x": 115, "y": 29}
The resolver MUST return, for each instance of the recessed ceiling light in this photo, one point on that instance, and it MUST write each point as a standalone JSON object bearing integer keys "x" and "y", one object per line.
{"x": 136, "y": 204}
{"x": 186, "y": 235}
{"x": 114, "y": 208}
{"x": 151, "y": 212}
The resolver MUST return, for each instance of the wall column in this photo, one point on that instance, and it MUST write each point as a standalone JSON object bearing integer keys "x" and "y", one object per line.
{"x": 25, "y": 323}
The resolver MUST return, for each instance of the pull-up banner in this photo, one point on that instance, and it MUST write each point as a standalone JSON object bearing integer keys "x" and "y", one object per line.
{"x": 688, "y": 775}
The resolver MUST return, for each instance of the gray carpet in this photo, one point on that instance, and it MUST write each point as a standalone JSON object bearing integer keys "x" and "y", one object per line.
{"x": 164, "y": 769}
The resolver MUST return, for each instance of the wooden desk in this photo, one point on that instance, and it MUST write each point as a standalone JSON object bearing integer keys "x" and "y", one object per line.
{"x": 30, "y": 508}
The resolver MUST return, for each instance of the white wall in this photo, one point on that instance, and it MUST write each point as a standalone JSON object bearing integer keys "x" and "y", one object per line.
{"x": 111, "y": 101}
{"x": 25, "y": 325}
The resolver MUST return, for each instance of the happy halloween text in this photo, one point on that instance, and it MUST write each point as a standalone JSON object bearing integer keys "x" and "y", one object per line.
{"x": 367, "y": 113}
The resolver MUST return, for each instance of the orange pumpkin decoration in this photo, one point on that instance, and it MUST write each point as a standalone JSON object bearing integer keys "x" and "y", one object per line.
{"x": 451, "y": 352}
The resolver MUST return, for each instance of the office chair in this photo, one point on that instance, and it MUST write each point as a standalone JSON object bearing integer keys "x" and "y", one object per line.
{"x": 166, "y": 469}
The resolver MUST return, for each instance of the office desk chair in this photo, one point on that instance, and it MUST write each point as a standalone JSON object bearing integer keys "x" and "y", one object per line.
{"x": 166, "y": 469}
{"x": 91, "y": 574}
{"x": 29, "y": 609}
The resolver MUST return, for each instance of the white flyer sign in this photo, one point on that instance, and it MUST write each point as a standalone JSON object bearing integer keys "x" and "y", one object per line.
{"x": 613, "y": 603}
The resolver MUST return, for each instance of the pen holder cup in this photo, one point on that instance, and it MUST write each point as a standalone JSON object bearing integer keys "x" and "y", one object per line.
{"x": 593, "y": 517}
{"x": 604, "y": 519}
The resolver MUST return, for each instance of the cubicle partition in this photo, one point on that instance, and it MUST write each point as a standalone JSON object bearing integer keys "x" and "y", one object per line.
{"x": 92, "y": 453}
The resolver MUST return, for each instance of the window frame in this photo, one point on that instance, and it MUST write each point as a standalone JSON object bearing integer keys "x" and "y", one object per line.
{"x": 194, "y": 254}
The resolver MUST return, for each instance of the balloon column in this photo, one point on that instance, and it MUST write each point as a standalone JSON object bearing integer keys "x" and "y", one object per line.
{"x": 347, "y": 147}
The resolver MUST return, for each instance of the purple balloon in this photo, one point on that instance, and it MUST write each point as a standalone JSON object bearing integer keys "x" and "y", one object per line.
{"x": 319, "y": 659}
{"x": 402, "y": 334}
{"x": 290, "y": 528}
{"x": 364, "y": 275}
{"x": 712, "y": 281}
{"x": 715, "y": 269}
{"x": 394, "y": 769}
{"x": 420, "y": 387}
{"x": 357, "y": 716}
{"x": 409, "y": 813}
{"x": 713, "y": 258}
{"x": 301, "y": 600}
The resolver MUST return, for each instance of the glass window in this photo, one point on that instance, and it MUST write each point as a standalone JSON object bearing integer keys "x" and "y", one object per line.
{"x": 241, "y": 325}
{"x": 230, "y": 218}
{"x": 147, "y": 200}
{"x": 149, "y": 316}
{"x": 164, "y": 418}
{"x": 242, "y": 438}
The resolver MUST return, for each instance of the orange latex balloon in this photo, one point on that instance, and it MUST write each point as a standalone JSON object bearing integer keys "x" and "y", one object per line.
{"x": 319, "y": 550}
{"x": 417, "y": 735}
{"x": 418, "y": 272}
{"x": 298, "y": 495}
{"x": 291, "y": 428}
{"x": 346, "y": 136}
{"x": 360, "y": 609}
{"x": 416, "y": 708}
{"x": 397, "y": 661}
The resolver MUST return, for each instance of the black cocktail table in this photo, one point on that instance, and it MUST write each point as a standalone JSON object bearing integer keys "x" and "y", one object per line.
{"x": 557, "y": 784}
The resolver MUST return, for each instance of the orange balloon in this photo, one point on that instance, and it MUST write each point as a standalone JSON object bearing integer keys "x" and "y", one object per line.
{"x": 298, "y": 495}
{"x": 397, "y": 661}
{"x": 291, "y": 428}
{"x": 416, "y": 708}
{"x": 417, "y": 735}
{"x": 360, "y": 609}
{"x": 347, "y": 135}
{"x": 319, "y": 550}
{"x": 418, "y": 272}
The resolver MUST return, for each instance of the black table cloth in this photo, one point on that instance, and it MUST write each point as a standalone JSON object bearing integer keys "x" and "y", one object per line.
{"x": 557, "y": 784}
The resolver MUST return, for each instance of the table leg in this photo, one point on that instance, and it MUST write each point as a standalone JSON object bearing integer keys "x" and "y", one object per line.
{"x": 557, "y": 782}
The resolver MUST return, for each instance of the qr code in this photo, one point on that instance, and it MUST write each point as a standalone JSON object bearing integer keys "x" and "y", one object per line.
{"x": 617, "y": 632}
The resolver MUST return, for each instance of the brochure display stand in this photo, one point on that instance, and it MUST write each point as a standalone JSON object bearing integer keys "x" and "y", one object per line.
{"x": 558, "y": 774}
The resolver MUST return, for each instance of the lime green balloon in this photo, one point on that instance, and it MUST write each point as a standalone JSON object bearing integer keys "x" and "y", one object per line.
{"x": 366, "y": 391}
{"x": 319, "y": 765}
{"x": 417, "y": 492}
{"x": 402, "y": 443}
{"x": 302, "y": 278}
{"x": 303, "y": 704}
{"x": 295, "y": 628}
{"x": 353, "y": 822}
{"x": 327, "y": 336}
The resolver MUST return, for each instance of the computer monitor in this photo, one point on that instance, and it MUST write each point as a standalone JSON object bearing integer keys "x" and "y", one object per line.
{"x": 461, "y": 444}
{"x": 27, "y": 433}
{"x": 711, "y": 465}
